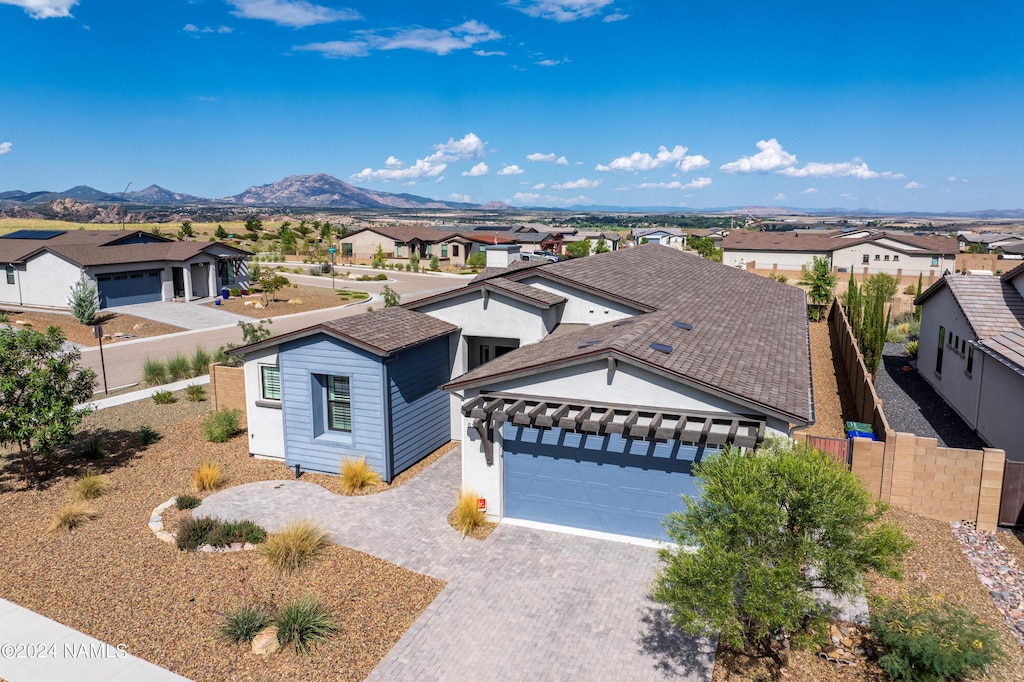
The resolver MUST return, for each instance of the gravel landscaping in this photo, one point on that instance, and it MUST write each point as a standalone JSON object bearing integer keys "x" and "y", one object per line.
{"x": 114, "y": 324}
{"x": 297, "y": 298}
{"x": 831, "y": 390}
{"x": 114, "y": 580}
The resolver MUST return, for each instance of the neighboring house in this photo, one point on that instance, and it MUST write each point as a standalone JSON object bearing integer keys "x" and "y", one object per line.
{"x": 860, "y": 251}
{"x": 666, "y": 236}
{"x": 611, "y": 239}
{"x": 582, "y": 391}
{"x": 126, "y": 266}
{"x": 971, "y": 351}
{"x": 398, "y": 242}
{"x": 987, "y": 241}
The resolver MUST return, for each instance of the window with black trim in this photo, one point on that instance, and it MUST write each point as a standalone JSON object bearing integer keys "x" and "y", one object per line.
{"x": 942, "y": 344}
{"x": 339, "y": 404}
{"x": 10, "y": 274}
{"x": 935, "y": 261}
{"x": 970, "y": 360}
{"x": 270, "y": 382}
{"x": 866, "y": 258}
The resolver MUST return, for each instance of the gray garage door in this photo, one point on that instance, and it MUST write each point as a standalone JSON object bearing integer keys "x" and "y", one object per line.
{"x": 126, "y": 288}
{"x": 603, "y": 483}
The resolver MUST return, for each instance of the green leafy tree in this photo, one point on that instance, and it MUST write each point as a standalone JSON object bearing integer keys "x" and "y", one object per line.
{"x": 884, "y": 284}
{"x": 705, "y": 246}
{"x": 435, "y": 263}
{"x": 974, "y": 248}
{"x": 644, "y": 240}
{"x": 253, "y": 225}
{"x": 40, "y": 384}
{"x": 303, "y": 229}
{"x": 326, "y": 231}
{"x": 854, "y": 303}
{"x": 578, "y": 249}
{"x": 917, "y": 308}
{"x": 84, "y": 302}
{"x": 220, "y": 232}
{"x": 270, "y": 283}
{"x": 414, "y": 261}
{"x": 379, "y": 258}
{"x": 602, "y": 246}
{"x": 186, "y": 231}
{"x": 477, "y": 260}
{"x": 254, "y": 332}
{"x": 391, "y": 297}
{"x": 288, "y": 242}
{"x": 769, "y": 528}
{"x": 821, "y": 283}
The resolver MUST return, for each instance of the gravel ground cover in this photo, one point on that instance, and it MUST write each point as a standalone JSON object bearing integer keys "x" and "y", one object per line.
{"x": 912, "y": 406}
{"x": 333, "y": 483}
{"x": 297, "y": 298}
{"x": 114, "y": 580}
{"x": 76, "y": 332}
{"x": 831, "y": 390}
{"x": 997, "y": 570}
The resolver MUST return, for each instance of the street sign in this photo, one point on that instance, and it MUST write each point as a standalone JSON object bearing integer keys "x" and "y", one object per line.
{"x": 97, "y": 331}
{"x": 332, "y": 250}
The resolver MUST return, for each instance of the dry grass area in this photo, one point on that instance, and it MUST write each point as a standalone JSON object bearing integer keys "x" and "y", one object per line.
{"x": 76, "y": 332}
{"x": 333, "y": 483}
{"x": 297, "y": 298}
{"x": 937, "y": 565}
{"x": 114, "y": 580}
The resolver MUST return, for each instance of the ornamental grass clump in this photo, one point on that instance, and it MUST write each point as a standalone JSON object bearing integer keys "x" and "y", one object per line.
{"x": 183, "y": 502}
{"x": 154, "y": 372}
{"x": 71, "y": 516}
{"x": 242, "y": 624}
{"x": 236, "y": 531}
{"x": 179, "y": 367}
{"x": 147, "y": 435}
{"x": 356, "y": 474}
{"x": 207, "y": 477}
{"x": 294, "y": 546}
{"x": 200, "y": 362}
{"x": 924, "y": 639}
{"x": 467, "y": 516}
{"x": 90, "y": 485}
{"x": 195, "y": 533}
{"x": 303, "y": 623}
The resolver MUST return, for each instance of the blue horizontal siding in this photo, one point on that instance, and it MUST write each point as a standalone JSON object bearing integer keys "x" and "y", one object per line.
{"x": 301, "y": 362}
{"x": 419, "y": 417}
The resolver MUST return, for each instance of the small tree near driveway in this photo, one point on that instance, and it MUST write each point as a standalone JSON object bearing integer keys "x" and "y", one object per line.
{"x": 271, "y": 282}
{"x": 40, "y": 384}
{"x": 821, "y": 283}
{"x": 770, "y": 528}
{"x": 84, "y": 302}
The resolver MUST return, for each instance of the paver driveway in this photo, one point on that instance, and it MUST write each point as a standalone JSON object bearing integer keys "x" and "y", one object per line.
{"x": 525, "y": 604}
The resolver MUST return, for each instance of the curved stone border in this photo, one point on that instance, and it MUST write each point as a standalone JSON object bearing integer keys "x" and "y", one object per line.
{"x": 156, "y": 524}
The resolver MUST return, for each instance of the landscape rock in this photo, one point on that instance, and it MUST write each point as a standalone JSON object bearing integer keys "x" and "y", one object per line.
{"x": 265, "y": 642}
{"x": 997, "y": 571}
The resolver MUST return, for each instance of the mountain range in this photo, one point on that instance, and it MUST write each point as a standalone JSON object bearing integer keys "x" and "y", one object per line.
{"x": 301, "y": 191}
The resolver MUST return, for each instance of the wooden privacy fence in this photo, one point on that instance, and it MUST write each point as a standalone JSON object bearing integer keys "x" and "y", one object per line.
{"x": 1011, "y": 508}
{"x": 838, "y": 448}
{"x": 866, "y": 403}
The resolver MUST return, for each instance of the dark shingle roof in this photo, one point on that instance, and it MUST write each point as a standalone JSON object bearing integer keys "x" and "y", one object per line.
{"x": 745, "y": 240}
{"x": 407, "y": 233}
{"x": 534, "y": 294}
{"x": 382, "y": 332}
{"x": 748, "y": 337}
{"x": 97, "y": 247}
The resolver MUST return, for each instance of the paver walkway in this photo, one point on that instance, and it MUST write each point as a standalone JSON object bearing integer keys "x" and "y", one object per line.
{"x": 525, "y": 604}
{"x": 192, "y": 315}
{"x": 37, "y": 649}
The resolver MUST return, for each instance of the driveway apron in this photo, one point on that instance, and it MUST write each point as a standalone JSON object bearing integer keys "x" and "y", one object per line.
{"x": 180, "y": 314}
{"x": 524, "y": 604}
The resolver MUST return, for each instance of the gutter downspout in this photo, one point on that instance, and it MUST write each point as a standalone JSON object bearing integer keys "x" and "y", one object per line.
{"x": 389, "y": 456}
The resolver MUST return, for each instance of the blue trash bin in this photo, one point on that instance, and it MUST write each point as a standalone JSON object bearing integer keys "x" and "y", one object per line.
{"x": 225, "y": 293}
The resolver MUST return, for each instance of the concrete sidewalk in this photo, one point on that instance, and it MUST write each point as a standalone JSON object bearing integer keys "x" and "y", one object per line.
{"x": 192, "y": 315}
{"x": 143, "y": 393}
{"x": 37, "y": 649}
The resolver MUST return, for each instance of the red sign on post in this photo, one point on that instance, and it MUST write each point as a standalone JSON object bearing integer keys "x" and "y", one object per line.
{"x": 481, "y": 503}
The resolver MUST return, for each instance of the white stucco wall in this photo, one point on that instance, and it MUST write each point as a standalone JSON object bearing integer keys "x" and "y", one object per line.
{"x": 266, "y": 425}
{"x": 46, "y": 280}
{"x": 904, "y": 263}
{"x": 495, "y": 315}
{"x": 364, "y": 244}
{"x": 957, "y": 388}
{"x": 765, "y": 260}
{"x": 583, "y": 307}
{"x": 1001, "y": 409}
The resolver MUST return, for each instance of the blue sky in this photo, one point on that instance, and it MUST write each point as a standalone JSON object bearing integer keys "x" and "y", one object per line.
{"x": 884, "y": 105}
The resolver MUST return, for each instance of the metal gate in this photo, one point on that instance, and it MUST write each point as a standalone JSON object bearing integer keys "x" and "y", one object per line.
{"x": 839, "y": 448}
{"x": 1011, "y": 505}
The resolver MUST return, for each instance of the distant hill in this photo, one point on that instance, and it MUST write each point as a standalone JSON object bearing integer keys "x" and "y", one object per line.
{"x": 155, "y": 195}
{"x": 325, "y": 191}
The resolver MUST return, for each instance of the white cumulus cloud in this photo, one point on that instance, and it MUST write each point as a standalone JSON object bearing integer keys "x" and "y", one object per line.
{"x": 468, "y": 147}
{"x": 770, "y": 157}
{"x": 848, "y": 169}
{"x": 642, "y": 161}
{"x": 617, "y": 16}
{"x": 539, "y": 185}
{"x": 810, "y": 190}
{"x": 560, "y": 10}
{"x": 780, "y": 196}
{"x": 294, "y": 13}
{"x": 696, "y": 183}
{"x": 533, "y": 199}
{"x": 477, "y": 170}
{"x": 511, "y": 170}
{"x": 464, "y": 198}
{"x": 5, "y": 147}
{"x": 44, "y": 9}
{"x": 485, "y": 53}
{"x": 914, "y": 184}
{"x": 538, "y": 157}
{"x": 439, "y": 41}
{"x": 582, "y": 183}
{"x": 192, "y": 28}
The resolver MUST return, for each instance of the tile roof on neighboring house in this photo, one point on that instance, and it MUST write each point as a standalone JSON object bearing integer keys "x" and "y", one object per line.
{"x": 381, "y": 332}
{"x": 406, "y": 233}
{"x": 488, "y": 273}
{"x": 746, "y": 240}
{"x": 524, "y": 291}
{"x": 90, "y": 247}
{"x": 1013, "y": 248}
{"x": 1007, "y": 348}
{"x": 991, "y": 306}
{"x": 987, "y": 237}
{"x": 739, "y": 335}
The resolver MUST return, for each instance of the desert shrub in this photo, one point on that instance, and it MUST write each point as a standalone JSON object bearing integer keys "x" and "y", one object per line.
{"x": 357, "y": 474}
{"x": 147, "y": 435}
{"x": 894, "y": 335}
{"x": 381, "y": 277}
{"x": 5, "y": 317}
{"x": 154, "y": 372}
{"x": 71, "y": 516}
{"x": 295, "y": 545}
{"x": 435, "y": 263}
{"x": 467, "y": 515}
{"x": 302, "y": 623}
{"x": 910, "y": 290}
{"x": 242, "y": 624}
{"x": 90, "y": 485}
{"x": 477, "y": 260}
{"x": 179, "y": 367}
{"x": 195, "y": 533}
{"x": 236, "y": 531}
{"x": 207, "y": 477}
{"x": 778, "y": 277}
{"x": 923, "y": 639}
{"x": 914, "y": 329}
{"x": 903, "y": 328}
{"x": 200, "y": 362}
{"x": 195, "y": 393}
{"x": 93, "y": 448}
{"x": 164, "y": 398}
{"x": 221, "y": 425}
{"x": 911, "y": 348}
{"x": 314, "y": 270}
{"x": 186, "y": 501}
{"x": 235, "y": 291}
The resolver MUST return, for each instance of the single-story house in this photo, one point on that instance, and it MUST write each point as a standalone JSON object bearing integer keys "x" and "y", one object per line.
{"x": 666, "y": 236}
{"x": 971, "y": 351}
{"x": 127, "y": 267}
{"x": 398, "y": 242}
{"x": 987, "y": 241}
{"x": 582, "y": 391}
{"x": 859, "y": 251}
{"x": 611, "y": 239}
